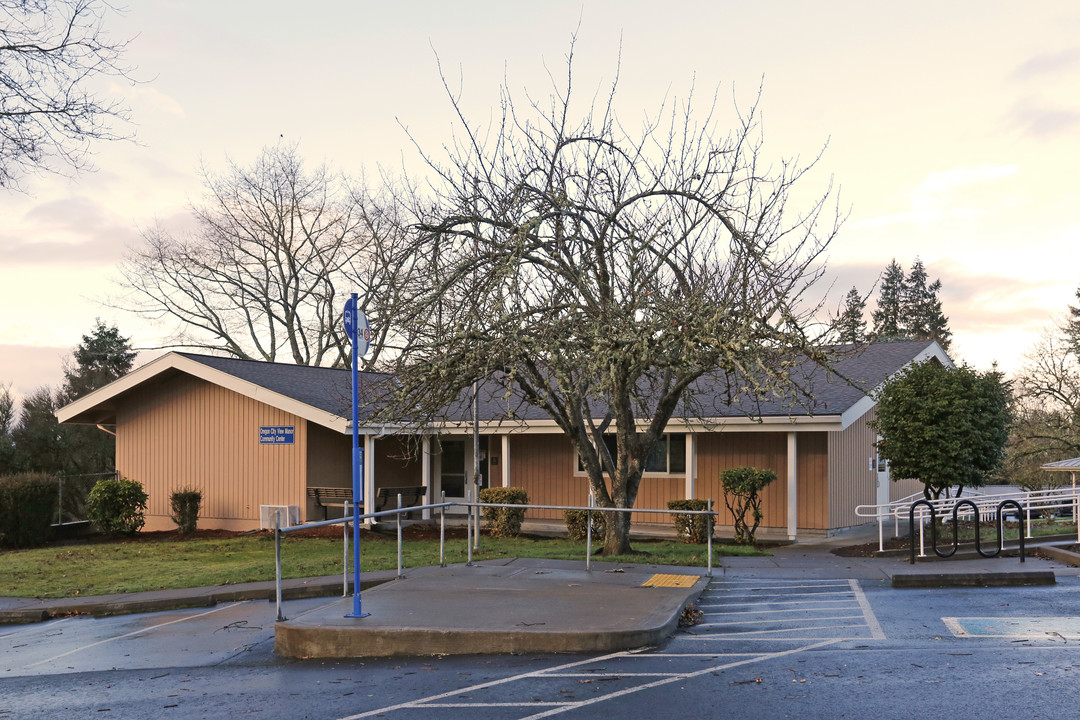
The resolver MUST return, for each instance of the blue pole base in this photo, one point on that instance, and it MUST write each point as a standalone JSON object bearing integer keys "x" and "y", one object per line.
{"x": 357, "y": 611}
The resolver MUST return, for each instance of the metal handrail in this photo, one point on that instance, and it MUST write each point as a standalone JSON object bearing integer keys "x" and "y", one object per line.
{"x": 441, "y": 506}
{"x": 984, "y": 505}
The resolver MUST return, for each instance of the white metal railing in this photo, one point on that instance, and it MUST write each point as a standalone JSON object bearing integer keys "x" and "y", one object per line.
{"x": 471, "y": 537}
{"x": 1039, "y": 502}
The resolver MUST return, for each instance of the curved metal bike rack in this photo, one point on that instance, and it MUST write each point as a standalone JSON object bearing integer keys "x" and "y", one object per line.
{"x": 956, "y": 528}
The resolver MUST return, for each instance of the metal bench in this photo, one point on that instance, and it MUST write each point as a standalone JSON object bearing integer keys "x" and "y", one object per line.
{"x": 411, "y": 496}
{"x": 330, "y": 497}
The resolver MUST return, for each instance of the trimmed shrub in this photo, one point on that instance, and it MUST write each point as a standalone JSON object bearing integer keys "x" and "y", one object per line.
{"x": 185, "y": 509}
{"x": 116, "y": 506}
{"x": 27, "y": 509}
{"x": 577, "y": 524}
{"x": 692, "y": 528}
{"x": 742, "y": 486}
{"x": 504, "y": 522}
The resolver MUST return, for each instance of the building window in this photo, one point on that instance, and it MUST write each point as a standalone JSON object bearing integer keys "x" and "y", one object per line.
{"x": 668, "y": 456}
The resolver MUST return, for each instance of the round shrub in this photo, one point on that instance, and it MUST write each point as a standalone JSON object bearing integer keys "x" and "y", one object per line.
{"x": 577, "y": 524}
{"x": 116, "y": 506}
{"x": 504, "y": 522}
{"x": 692, "y": 528}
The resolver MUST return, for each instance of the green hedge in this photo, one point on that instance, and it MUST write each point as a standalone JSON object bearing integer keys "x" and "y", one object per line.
{"x": 692, "y": 528}
{"x": 27, "y": 509}
{"x": 504, "y": 522}
{"x": 577, "y": 524}
{"x": 116, "y": 507}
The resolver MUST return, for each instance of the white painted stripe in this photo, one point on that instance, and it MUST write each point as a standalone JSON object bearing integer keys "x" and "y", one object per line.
{"x": 835, "y": 583}
{"x": 678, "y": 678}
{"x": 954, "y": 626}
{"x": 612, "y": 674}
{"x": 787, "y": 595}
{"x": 494, "y": 683}
{"x": 871, "y": 620}
{"x": 772, "y": 620}
{"x": 538, "y": 703}
{"x": 738, "y": 635}
{"x": 711, "y": 606}
{"x": 788, "y": 610}
{"x": 132, "y": 634}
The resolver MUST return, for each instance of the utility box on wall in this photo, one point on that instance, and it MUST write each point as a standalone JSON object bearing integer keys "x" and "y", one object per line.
{"x": 290, "y": 515}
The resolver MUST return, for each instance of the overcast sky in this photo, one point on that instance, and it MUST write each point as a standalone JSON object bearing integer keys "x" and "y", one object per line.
{"x": 952, "y": 131}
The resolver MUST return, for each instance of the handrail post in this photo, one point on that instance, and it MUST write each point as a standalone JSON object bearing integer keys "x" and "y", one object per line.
{"x": 468, "y": 532}
{"x": 345, "y": 552}
{"x": 588, "y": 532}
{"x": 709, "y": 525}
{"x": 881, "y": 529}
{"x": 277, "y": 563}
{"x": 442, "y": 529}
{"x": 399, "y": 536}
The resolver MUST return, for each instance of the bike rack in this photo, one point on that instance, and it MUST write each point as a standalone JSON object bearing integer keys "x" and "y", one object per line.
{"x": 956, "y": 528}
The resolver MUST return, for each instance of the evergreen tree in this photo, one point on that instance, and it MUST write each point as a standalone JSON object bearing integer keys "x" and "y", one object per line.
{"x": 887, "y": 316}
{"x": 921, "y": 317}
{"x": 102, "y": 356}
{"x": 1072, "y": 325}
{"x": 7, "y": 425}
{"x": 850, "y": 325}
{"x": 39, "y": 441}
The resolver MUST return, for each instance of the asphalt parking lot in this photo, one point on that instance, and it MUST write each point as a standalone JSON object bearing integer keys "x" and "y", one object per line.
{"x": 776, "y": 647}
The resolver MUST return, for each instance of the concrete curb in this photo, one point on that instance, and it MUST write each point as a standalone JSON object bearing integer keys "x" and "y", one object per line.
{"x": 981, "y": 579}
{"x": 32, "y": 611}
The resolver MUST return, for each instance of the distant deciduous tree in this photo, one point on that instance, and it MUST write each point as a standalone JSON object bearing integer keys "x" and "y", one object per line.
{"x": 945, "y": 427}
{"x": 7, "y": 425}
{"x": 266, "y": 274}
{"x": 52, "y": 54}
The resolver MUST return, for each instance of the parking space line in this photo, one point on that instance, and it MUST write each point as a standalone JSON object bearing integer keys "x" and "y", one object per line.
{"x": 792, "y": 610}
{"x": 868, "y": 613}
{"x": 772, "y": 620}
{"x": 132, "y": 634}
{"x": 777, "y": 602}
{"x": 36, "y": 628}
{"x": 814, "y": 594}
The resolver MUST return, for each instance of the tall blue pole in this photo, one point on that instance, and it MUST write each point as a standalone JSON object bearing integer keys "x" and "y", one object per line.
{"x": 351, "y": 311}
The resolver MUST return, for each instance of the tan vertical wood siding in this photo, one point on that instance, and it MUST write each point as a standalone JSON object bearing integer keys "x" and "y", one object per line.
{"x": 813, "y": 480}
{"x": 720, "y": 451}
{"x": 851, "y": 481}
{"x": 185, "y": 432}
{"x": 544, "y": 466}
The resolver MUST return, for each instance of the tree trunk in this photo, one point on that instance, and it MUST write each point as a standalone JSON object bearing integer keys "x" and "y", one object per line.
{"x": 617, "y": 536}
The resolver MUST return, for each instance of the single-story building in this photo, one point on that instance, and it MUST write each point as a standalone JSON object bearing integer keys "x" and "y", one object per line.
{"x": 251, "y": 435}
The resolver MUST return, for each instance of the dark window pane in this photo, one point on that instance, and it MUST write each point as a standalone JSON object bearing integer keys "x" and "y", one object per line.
{"x": 657, "y": 461}
{"x": 677, "y": 453}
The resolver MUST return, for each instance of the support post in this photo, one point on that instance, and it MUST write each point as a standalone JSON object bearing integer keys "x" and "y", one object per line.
{"x": 792, "y": 487}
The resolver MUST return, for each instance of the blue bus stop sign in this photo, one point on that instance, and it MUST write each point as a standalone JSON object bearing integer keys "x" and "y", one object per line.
{"x": 356, "y": 327}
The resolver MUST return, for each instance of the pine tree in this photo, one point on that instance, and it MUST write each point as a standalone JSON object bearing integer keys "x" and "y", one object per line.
{"x": 887, "y": 316}
{"x": 39, "y": 440}
{"x": 7, "y": 425}
{"x": 850, "y": 325}
{"x": 102, "y": 356}
{"x": 921, "y": 317}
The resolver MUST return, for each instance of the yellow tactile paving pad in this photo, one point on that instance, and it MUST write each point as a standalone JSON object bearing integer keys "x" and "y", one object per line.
{"x": 661, "y": 580}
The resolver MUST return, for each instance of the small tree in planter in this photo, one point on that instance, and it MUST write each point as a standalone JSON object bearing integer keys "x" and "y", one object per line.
{"x": 742, "y": 488}
{"x": 185, "y": 509}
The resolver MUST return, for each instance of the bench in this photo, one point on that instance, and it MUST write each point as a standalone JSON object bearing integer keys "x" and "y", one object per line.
{"x": 386, "y": 498}
{"x": 330, "y": 497}
{"x": 411, "y": 496}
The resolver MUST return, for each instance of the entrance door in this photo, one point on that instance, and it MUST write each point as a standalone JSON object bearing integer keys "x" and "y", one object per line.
{"x": 455, "y": 466}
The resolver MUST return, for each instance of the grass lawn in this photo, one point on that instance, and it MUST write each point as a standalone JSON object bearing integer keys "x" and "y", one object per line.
{"x": 163, "y": 560}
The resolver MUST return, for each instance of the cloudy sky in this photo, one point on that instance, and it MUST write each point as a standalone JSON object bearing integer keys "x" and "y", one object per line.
{"x": 952, "y": 131}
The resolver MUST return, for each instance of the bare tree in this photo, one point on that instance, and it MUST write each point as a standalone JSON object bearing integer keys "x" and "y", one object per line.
{"x": 606, "y": 276}
{"x": 51, "y": 53}
{"x": 266, "y": 273}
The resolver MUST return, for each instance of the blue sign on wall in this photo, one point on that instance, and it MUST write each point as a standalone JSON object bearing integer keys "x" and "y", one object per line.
{"x": 277, "y": 435}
